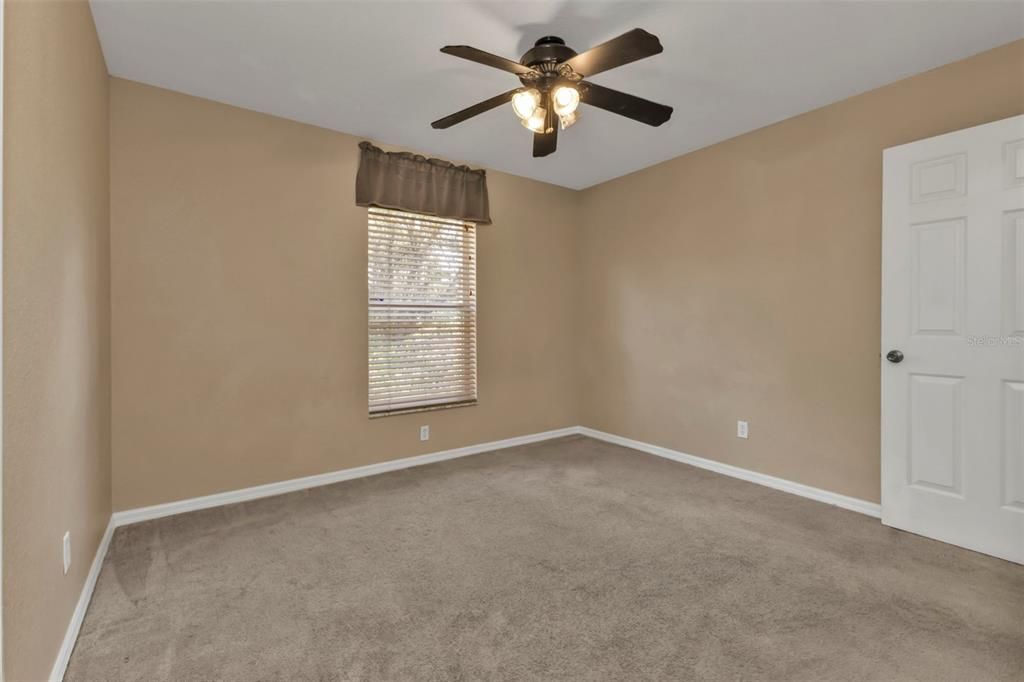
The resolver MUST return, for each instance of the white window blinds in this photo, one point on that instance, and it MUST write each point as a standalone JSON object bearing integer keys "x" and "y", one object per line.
{"x": 422, "y": 311}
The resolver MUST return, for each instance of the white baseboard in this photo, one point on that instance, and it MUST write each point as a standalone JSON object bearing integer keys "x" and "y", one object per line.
{"x": 129, "y": 516}
{"x": 78, "y": 615}
{"x": 850, "y": 503}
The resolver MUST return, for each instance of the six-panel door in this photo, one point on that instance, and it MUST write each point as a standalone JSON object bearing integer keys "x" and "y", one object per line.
{"x": 953, "y": 303}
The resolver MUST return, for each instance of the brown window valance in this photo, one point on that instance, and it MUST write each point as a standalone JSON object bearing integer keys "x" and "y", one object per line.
{"x": 409, "y": 182}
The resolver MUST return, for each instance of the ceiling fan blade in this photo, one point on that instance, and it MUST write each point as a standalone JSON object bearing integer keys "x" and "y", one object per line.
{"x": 629, "y": 47}
{"x": 486, "y": 58}
{"x": 478, "y": 108}
{"x": 545, "y": 143}
{"x": 630, "y": 106}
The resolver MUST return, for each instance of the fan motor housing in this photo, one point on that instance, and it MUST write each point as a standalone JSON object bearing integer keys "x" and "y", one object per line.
{"x": 547, "y": 53}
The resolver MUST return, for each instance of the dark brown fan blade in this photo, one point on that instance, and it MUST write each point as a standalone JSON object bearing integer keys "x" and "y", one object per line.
{"x": 629, "y": 47}
{"x": 478, "y": 108}
{"x": 486, "y": 58}
{"x": 545, "y": 143}
{"x": 630, "y": 106}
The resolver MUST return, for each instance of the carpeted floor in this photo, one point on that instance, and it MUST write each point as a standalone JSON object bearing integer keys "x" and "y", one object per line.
{"x": 569, "y": 559}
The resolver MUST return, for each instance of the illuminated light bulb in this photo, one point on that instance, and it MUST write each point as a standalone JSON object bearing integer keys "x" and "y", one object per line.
{"x": 567, "y": 120}
{"x": 525, "y": 103}
{"x": 536, "y": 120}
{"x": 566, "y": 100}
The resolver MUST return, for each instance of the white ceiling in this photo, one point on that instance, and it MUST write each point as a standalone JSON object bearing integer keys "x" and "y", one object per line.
{"x": 373, "y": 69}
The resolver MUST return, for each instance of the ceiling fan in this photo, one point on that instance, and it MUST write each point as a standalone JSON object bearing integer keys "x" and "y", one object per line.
{"x": 552, "y": 76}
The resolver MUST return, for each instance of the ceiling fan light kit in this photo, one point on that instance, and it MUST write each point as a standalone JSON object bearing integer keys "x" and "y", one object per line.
{"x": 552, "y": 89}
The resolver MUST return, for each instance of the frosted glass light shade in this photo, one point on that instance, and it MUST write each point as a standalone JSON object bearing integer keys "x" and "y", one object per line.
{"x": 525, "y": 103}
{"x": 566, "y": 99}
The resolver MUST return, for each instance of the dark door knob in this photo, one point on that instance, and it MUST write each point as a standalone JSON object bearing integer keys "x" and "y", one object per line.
{"x": 894, "y": 356}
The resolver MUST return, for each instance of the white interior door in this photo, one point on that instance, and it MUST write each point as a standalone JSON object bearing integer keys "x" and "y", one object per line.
{"x": 953, "y": 307}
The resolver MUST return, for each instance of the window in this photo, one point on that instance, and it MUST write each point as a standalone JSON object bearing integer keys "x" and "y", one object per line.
{"x": 422, "y": 311}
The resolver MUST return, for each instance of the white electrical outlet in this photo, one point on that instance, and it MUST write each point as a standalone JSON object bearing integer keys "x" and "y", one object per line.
{"x": 742, "y": 430}
{"x": 424, "y": 433}
{"x": 66, "y": 549}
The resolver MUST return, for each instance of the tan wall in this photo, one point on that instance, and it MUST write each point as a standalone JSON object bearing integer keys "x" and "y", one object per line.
{"x": 742, "y": 281}
{"x": 239, "y": 305}
{"x": 737, "y": 282}
{"x": 56, "y": 307}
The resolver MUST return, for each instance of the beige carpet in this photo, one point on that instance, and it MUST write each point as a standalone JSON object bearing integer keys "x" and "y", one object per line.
{"x": 570, "y": 559}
